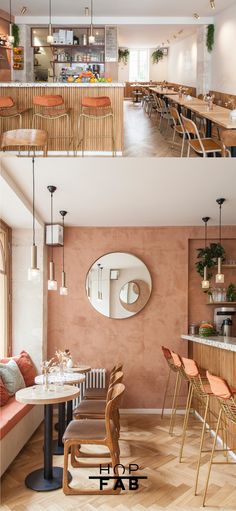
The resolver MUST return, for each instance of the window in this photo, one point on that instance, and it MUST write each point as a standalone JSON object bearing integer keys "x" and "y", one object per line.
{"x": 5, "y": 287}
{"x": 139, "y": 65}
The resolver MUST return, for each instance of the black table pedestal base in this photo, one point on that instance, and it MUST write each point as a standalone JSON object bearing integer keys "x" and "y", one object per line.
{"x": 36, "y": 481}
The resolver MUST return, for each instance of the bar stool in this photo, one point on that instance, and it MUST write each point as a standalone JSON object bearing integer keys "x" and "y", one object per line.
{"x": 101, "y": 393}
{"x": 226, "y": 398}
{"x": 173, "y": 368}
{"x": 9, "y": 110}
{"x": 96, "y": 109}
{"x": 52, "y": 108}
{"x": 21, "y": 138}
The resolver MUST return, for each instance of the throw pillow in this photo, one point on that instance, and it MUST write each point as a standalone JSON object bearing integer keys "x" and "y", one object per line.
{"x": 4, "y": 396}
{"x": 12, "y": 377}
{"x": 25, "y": 365}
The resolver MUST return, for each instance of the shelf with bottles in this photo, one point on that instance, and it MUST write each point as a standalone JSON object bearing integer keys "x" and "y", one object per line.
{"x": 73, "y": 37}
{"x": 89, "y": 56}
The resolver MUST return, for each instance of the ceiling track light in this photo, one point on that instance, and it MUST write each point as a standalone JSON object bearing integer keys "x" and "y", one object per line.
{"x": 63, "y": 288}
{"x": 91, "y": 36}
{"x": 86, "y": 11}
{"x": 205, "y": 281}
{"x": 196, "y": 15}
{"x": 220, "y": 278}
{"x": 52, "y": 283}
{"x": 33, "y": 271}
{"x": 50, "y": 36}
{"x": 23, "y": 10}
{"x": 212, "y": 4}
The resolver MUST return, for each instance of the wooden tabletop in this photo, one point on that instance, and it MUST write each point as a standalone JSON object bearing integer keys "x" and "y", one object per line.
{"x": 69, "y": 378}
{"x": 80, "y": 369}
{"x": 159, "y": 90}
{"x": 183, "y": 101}
{"x": 37, "y": 395}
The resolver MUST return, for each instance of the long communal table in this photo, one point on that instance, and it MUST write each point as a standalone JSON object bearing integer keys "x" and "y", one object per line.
{"x": 163, "y": 91}
{"x": 218, "y": 115}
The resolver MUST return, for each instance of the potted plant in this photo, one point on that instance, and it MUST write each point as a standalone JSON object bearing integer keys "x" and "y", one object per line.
{"x": 231, "y": 293}
{"x": 16, "y": 35}
{"x": 208, "y": 257}
{"x": 210, "y": 39}
{"x": 157, "y": 55}
{"x": 123, "y": 55}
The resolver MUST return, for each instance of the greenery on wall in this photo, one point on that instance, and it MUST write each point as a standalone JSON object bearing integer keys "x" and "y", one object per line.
{"x": 208, "y": 257}
{"x": 123, "y": 55}
{"x": 210, "y": 37}
{"x": 157, "y": 55}
{"x": 16, "y": 34}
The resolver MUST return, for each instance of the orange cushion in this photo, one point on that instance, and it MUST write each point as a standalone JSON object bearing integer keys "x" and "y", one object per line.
{"x": 6, "y": 102}
{"x": 97, "y": 101}
{"x": 50, "y": 100}
{"x": 4, "y": 396}
{"x": 25, "y": 365}
{"x": 11, "y": 414}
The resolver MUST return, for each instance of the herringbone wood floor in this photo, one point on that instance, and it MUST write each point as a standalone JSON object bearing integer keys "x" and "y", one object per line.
{"x": 145, "y": 441}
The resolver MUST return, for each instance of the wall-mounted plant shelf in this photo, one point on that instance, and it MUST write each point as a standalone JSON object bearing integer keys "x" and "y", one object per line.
{"x": 222, "y": 303}
{"x": 230, "y": 266}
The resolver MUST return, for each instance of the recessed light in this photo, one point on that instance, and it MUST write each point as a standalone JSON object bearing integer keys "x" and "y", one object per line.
{"x": 23, "y": 10}
{"x": 196, "y": 15}
{"x": 86, "y": 11}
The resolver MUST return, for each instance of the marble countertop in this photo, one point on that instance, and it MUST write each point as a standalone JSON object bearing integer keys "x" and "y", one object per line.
{"x": 224, "y": 343}
{"x": 62, "y": 84}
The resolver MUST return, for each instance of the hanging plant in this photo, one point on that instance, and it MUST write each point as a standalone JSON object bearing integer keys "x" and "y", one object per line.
{"x": 16, "y": 34}
{"x": 123, "y": 55}
{"x": 157, "y": 55}
{"x": 209, "y": 257}
{"x": 210, "y": 37}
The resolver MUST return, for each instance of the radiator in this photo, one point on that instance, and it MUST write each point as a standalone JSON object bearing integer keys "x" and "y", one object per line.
{"x": 95, "y": 379}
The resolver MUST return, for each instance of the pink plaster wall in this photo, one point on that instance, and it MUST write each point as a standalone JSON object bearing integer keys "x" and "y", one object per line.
{"x": 100, "y": 341}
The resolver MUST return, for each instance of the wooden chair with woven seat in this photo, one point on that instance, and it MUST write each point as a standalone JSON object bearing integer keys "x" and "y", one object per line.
{"x": 228, "y": 139}
{"x": 93, "y": 432}
{"x": 31, "y": 139}
{"x": 177, "y": 127}
{"x": 101, "y": 393}
{"x": 9, "y": 110}
{"x": 95, "y": 109}
{"x": 226, "y": 397}
{"x": 202, "y": 146}
{"x": 52, "y": 108}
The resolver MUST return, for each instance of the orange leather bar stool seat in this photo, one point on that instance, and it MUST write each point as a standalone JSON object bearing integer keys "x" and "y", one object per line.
{"x": 95, "y": 108}
{"x": 226, "y": 397}
{"x": 9, "y": 110}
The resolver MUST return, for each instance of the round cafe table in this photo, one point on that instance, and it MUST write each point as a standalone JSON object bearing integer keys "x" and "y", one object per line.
{"x": 69, "y": 379}
{"x": 47, "y": 478}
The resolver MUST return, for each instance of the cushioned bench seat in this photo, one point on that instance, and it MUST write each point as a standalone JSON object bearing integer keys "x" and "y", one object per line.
{"x": 11, "y": 414}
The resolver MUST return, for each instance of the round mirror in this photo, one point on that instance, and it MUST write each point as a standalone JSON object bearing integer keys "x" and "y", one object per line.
{"x": 118, "y": 285}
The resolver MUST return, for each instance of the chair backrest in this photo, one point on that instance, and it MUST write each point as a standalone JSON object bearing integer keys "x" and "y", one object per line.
{"x": 176, "y": 359}
{"x": 96, "y": 102}
{"x": 166, "y": 352}
{"x": 190, "y": 367}
{"x": 6, "y": 102}
{"x": 118, "y": 377}
{"x": 189, "y": 126}
{"x": 222, "y": 392}
{"x": 112, "y": 405}
{"x": 175, "y": 116}
{"x": 228, "y": 137}
{"x": 48, "y": 101}
{"x": 200, "y": 96}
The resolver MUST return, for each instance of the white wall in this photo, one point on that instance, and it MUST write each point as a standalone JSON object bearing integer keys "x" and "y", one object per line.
{"x": 224, "y": 54}
{"x": 182, "y": 62}
{"x": 157, "y": 72}
{"x": 28, "y": 314}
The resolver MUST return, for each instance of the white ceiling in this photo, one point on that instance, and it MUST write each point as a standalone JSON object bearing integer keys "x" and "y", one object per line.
{"x": 108, "y": 8}
{"x": 123, "y": 191}
{"x": 150, "y": 36}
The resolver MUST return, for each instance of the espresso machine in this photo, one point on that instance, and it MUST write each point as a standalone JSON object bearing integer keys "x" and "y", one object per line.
{"x": 224, "y": 321}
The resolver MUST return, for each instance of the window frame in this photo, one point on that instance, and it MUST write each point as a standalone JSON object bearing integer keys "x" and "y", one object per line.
{"x": 8, "y": 272}
{"x": 138, "y": 50}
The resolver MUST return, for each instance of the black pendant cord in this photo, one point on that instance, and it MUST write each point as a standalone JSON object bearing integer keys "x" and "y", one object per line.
{"x": 33, "y": 193}
{"x": 91, "y": 29}
{"x": 220, "y": 224}
{"x": 205, "y": 234}
{"x": 52, "y": 227}
{"x": 63, "y": 252}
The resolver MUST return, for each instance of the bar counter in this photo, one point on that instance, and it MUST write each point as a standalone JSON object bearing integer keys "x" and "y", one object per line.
{"x": 23, "y": 93}
{"x": 218, "y": 355}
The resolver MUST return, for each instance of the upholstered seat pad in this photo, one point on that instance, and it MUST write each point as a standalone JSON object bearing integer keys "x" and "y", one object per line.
{"x": 96, "y": 393}
{"x": 91, "y": 406}
{"x": 86, "y": 429}
{"x": 11, "y": 414}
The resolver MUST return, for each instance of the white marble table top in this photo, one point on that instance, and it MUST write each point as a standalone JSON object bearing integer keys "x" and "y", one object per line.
{"x": 218, "y": 341}
{"x": 37, "y": 395}
{"x": 69, "y": 378}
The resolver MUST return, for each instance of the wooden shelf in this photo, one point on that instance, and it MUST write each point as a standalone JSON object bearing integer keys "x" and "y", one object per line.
{"x": 232, "y": 266}
{"x": 76, "y": 62}
{"x": 78, "y": 47}
{"x": 222, "y": 303}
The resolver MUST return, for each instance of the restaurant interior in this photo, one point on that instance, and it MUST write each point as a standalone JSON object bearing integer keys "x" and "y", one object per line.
{"x": 117, "y": 257}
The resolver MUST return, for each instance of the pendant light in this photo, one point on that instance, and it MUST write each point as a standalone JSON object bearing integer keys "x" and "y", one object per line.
{"x": 33, "y": 271}
{"x": 91, "y": 36}
{"x": 10, "y": 37}
{"x": 63, "y": 288}
{"x": 52, "y": 283}
{"x": 205, "y": 281}
{"x": 220, "y": 278}
{"x": 50, "y": 36}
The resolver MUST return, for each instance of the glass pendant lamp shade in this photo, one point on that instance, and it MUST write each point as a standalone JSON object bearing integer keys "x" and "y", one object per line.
{"x": 52, "y": 283}
{"x": 33, "y": 271}
{"x": 63, "y": 288}
{"x": 220, "y": 278}
{"x": 205, "y": 281}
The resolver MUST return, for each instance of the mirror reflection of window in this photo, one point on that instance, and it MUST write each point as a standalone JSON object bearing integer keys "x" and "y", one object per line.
{"x": 129, "y": 293}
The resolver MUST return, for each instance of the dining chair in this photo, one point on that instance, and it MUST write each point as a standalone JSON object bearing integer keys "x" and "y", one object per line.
{"x": 29, "y": 139}
{"x": 228, "y": 139}
{"x": 101, "y": 393}
{"x": 177, "y": 127}
{"x": 203, "y": 146}
{"x": 164, "y": 114}
{"x": 93, "y": 432}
